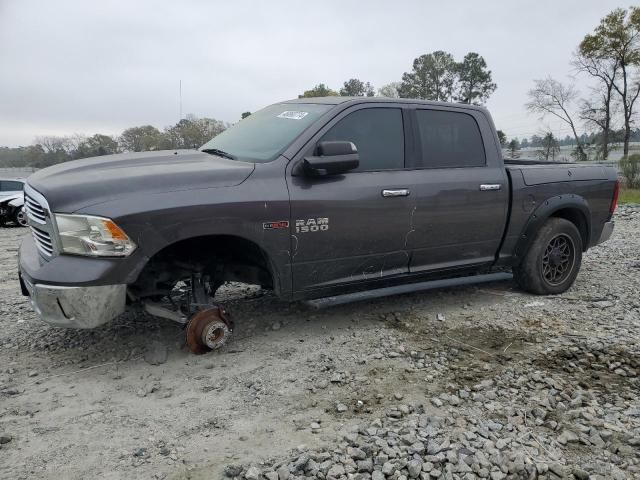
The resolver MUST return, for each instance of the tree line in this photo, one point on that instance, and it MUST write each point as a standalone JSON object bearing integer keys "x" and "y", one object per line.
{"x": 189, "y": 132}
{"x": 609, "y": 56}
{"x": 589, "y": 140}
{"x": 433, "y": 76}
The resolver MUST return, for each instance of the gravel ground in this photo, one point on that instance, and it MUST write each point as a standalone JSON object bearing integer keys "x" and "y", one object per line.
{"x": 463, "y": 383}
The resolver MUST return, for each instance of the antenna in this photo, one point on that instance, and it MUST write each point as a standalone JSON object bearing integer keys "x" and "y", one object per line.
{"x": 180, "y": 94}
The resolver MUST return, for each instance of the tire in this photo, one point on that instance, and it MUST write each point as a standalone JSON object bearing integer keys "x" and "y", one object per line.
{"x": 552, "y": 262}
{"x": 21, "y": 217}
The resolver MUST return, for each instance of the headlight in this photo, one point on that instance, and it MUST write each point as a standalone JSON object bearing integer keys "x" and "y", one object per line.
{"x": 92, "y": 236}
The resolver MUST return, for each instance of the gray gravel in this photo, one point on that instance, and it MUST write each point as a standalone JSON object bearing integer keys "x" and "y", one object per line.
{"x": 466, "y": 383}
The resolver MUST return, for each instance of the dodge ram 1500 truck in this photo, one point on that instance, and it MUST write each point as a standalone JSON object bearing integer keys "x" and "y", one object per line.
{"x": 314, "y": 198}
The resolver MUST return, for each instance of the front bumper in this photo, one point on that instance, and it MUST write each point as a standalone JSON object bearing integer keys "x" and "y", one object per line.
{"x": 76, "y": 304}
{"x": 606, "y": 232}
{"x": 76, "y": 307}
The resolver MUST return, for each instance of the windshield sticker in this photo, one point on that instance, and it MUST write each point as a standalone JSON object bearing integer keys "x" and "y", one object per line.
{"x": 293, "y": 115}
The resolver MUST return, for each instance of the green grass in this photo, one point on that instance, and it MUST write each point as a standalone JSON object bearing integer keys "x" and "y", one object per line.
{"x": 629, "y": 195}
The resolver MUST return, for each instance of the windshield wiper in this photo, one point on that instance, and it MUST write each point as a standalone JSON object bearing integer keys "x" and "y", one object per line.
{"x": 220, "y": 153}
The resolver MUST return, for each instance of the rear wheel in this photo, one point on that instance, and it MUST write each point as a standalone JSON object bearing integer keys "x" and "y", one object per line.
{"x": 553, "y": 260}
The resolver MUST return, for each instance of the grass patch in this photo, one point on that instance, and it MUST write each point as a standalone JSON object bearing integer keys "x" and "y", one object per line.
{"x": 629, "y": 195}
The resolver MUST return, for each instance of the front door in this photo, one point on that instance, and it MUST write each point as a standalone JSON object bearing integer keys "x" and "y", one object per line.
{"x": 344, "y": 228}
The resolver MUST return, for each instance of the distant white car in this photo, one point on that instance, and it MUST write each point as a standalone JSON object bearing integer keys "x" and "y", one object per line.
{"x": 12, "y": 202}
{"x": 11, "y": 186}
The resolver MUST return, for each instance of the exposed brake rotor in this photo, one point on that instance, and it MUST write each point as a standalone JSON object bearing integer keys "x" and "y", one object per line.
{"x": 207, "y": 330}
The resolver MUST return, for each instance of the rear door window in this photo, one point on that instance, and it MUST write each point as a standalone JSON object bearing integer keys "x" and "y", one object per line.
{"x": 378, "y": 134}
{"x": 448, "y": 140}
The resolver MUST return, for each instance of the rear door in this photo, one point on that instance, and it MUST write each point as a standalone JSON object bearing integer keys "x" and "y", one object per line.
{"x": 344, "y": 230}
{"x": 459, "y": 187}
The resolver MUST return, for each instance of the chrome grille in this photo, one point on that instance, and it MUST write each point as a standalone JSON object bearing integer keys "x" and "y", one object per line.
{"x": 35, "y": 210}
{"x": 43, "y": 241}
{"x": 39, "y": 219}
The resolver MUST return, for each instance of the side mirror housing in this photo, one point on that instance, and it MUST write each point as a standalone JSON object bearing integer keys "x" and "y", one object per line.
{"x": 333, "y": 158}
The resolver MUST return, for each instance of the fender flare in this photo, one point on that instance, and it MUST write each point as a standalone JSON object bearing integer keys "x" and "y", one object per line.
{"x": 549, "y": 208}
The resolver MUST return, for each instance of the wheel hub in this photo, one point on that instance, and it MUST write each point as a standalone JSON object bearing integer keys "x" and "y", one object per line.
{"x": 215, "y": 334}
{"x": 207, "y": 330}
{"x": 558, "y": 259}
{"x": 555, "y": 257}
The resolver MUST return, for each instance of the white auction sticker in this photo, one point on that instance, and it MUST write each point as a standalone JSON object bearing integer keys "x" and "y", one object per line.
{"x": 293, "y": 115}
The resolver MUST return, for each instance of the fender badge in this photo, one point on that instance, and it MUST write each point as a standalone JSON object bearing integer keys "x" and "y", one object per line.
{"x": 275, "y": 225}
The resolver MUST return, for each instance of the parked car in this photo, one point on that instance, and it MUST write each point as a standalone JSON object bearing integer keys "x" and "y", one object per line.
{"x": 11, "y": 186}
{"x": 12, "y": 210}
{"x": 12, "y": 202}
{"x": 315, "y": 198}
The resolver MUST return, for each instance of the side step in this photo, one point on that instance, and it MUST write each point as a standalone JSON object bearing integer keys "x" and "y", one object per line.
{"x": 411, "y": 287}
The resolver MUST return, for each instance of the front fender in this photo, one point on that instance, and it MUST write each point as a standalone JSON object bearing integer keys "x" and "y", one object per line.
{"x": 17, "y": 201}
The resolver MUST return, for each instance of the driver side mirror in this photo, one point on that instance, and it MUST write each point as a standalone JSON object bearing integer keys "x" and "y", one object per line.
{"x": 333, "y": 158}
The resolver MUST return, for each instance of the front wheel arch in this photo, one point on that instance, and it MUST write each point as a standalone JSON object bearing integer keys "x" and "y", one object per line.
{"x": 247, "y": 262}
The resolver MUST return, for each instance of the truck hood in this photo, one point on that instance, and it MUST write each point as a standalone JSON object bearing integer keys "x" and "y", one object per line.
{"x": 77, "y": 184}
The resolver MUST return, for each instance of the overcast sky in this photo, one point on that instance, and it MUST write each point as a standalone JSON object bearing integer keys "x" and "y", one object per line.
{"x": 87, "y": 66}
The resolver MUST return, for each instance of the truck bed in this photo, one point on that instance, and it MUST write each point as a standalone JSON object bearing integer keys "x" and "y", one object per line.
{"x": 536, "y": 172}
{"x": 537, "y": 185}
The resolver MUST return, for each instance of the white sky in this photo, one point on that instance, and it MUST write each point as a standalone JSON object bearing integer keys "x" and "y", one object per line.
{"x": 102, "y": 66}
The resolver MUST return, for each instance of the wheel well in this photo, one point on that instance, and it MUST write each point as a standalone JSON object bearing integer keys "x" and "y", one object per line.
{"x": 222, "y": 257}
{"x": 578, "y": 218}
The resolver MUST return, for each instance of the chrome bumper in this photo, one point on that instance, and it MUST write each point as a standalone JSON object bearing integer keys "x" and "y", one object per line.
{"x": 606, "y": 232}
{"x": 76, "y": 307}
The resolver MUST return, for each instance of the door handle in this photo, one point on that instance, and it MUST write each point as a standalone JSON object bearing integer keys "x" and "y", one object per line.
{"x": 485, "y": 187}
{"x": 399, "y": 192}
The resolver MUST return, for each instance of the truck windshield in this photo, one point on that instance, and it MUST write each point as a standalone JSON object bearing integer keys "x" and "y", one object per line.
{"x": 265, "y": 134}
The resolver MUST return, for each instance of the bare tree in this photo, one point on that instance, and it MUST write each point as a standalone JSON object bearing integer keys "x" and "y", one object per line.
{"x": 599, "y": 111}
{"x": 550, "y": 97}
{"x": 617, "y": 38}
{"x": 54, "y": 144}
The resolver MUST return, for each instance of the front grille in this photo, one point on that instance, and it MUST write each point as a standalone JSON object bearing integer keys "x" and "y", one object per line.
{"x": 43, "y": 241}
{"x": 40, "y": 222}
{"x": 35, "y": 210}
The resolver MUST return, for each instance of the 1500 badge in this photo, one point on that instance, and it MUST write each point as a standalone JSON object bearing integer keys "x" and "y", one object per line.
{"x": 312, "y": 225}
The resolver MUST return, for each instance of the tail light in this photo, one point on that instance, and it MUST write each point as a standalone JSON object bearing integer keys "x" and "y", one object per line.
{"x": 614, "y": 199}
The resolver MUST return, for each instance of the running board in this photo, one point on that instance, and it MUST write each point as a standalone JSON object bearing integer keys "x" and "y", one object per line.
{"x": 407, "y": 288}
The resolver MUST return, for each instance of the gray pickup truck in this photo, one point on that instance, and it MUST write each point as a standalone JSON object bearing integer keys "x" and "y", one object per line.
{"x": 321, "y": 198}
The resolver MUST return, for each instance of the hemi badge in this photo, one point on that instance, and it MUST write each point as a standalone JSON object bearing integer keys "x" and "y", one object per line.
{"x": 275, "y": 225}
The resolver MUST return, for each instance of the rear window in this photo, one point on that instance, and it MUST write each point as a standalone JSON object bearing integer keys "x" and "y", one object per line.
{"x": 449, "y": 140}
